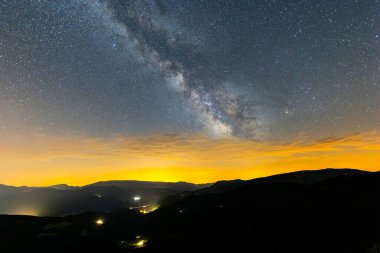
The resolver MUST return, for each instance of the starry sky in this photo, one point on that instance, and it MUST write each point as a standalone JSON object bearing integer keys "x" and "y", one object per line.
{"x": 82, "y": 78}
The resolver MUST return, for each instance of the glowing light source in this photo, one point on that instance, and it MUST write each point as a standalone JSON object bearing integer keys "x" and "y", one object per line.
{"x": 136, "y": 198}
{"x": 140, "y": 243}
{"x": 99, "y": 222}
{"x": 154, "y": 208}
{"x": 148, "y": 209}
{"x": 25, "y": 210}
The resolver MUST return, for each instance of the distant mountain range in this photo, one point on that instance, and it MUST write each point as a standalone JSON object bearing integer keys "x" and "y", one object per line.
{"x": 309, "y": 211}
{"x": 105, "y": 196}
{"x": 59, "y": 200}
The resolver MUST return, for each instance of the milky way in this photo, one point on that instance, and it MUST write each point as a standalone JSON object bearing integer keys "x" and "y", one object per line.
{"x": 245, "y": 69}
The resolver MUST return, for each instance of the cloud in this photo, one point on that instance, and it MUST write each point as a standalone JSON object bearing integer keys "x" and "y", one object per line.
{"x": 42, "y": 159}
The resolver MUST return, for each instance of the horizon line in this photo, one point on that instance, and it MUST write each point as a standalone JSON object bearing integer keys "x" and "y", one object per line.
{"x": 156, "y": 181}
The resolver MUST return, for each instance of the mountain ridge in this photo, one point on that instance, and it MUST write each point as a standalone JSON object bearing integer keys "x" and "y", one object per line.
{"x": 102, "y": 196}
{"x": 301, "y": 177}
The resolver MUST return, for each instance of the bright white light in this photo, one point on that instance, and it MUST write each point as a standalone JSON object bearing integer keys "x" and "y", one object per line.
{"x": 136, "y": 198}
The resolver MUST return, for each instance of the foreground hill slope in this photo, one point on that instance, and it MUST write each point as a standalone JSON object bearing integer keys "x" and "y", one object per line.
{"x": 339, "y": 214}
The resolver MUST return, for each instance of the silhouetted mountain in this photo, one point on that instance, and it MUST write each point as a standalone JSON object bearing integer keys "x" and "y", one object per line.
{"x": 336, "y": 214}
{"x": 307, "y": 176}
{"x": 301, "y": 177}
{"x": 6, "y": 190}
{"x": 132, "y": 185}
{"x": 63, "y": 187}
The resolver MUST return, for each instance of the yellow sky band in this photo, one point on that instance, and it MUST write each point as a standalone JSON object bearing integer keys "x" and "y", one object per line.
{"x": 41, "y": 160}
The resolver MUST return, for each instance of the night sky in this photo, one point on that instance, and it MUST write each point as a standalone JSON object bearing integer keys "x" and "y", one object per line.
{"x": 245, "y": 71}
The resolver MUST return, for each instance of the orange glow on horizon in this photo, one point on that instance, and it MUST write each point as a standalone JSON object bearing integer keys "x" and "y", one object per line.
{"x": 42, "y": 160}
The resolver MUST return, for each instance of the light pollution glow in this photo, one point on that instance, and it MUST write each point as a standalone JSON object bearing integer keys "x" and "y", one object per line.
{"x": 42, "y": 160}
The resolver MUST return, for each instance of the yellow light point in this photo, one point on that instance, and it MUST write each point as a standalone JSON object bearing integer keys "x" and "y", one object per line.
{"x": 148, "y": 209}
{"x": 154, "y": 208}
{"x": 140, "y": 243}
{"x": 99, "y": 222}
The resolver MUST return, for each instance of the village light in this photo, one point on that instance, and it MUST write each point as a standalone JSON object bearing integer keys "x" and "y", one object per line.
{"x": 99, "y": 222}
{"x": 140, "y": 243}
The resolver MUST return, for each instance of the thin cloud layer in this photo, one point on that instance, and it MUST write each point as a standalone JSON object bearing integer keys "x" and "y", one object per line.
{"x": 194, "y": 158}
